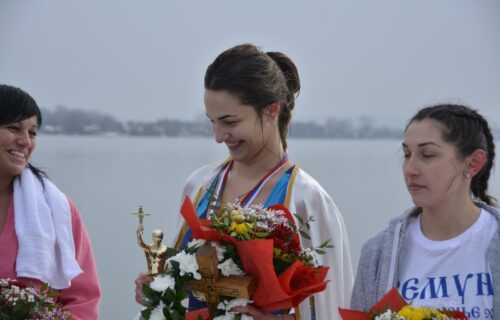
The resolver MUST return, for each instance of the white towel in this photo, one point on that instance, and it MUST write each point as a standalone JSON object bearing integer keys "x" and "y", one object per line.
{"x": 44, "y": 232}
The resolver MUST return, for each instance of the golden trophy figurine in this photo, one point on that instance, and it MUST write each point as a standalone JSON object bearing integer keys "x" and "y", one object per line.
{"x": 156, "y": 252}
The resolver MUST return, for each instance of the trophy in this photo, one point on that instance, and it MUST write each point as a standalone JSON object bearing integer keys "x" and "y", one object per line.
{"x": 156, "y": 252}
{"x": 212, "y": 285}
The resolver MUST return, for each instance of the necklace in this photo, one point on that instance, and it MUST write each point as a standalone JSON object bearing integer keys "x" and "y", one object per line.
{"x": 249, "y": 196}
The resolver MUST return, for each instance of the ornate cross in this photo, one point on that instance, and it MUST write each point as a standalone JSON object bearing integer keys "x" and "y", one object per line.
{"x": 215, "y": 285}
{"x": 141, "y": 214}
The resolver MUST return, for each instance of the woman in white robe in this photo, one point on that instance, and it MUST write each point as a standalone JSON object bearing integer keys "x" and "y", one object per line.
{"x": 249, "y": 97}
{"x": 307, "y": 198}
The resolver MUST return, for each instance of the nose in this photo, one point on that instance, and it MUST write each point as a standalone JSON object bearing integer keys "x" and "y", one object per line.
{"x": 219, "y": 133}
{"x": 410, "y": 167}
{"x": 24, "y": 138}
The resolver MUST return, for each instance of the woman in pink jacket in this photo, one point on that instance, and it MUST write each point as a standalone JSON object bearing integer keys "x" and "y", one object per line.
{"x": 42, "y": 236}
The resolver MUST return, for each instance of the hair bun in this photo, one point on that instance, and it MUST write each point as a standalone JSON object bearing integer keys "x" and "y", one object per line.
{"x": 289, "y": 70}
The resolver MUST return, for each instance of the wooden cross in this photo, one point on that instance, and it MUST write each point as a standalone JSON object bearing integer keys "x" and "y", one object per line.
{"x": 215, "y": 285}
{"x": 141, "y": 214}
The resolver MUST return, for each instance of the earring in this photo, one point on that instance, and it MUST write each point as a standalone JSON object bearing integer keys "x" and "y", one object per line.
{"x": 468, "y": 174}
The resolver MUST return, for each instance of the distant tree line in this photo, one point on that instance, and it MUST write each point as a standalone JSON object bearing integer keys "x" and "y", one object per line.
{"x": 63, "y": 120}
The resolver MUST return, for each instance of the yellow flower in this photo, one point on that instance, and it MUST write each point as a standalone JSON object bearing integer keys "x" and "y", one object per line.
{"x": 413, "y": 313}
{"x": 240, "y": 228}
{"x": 232, "y": 227}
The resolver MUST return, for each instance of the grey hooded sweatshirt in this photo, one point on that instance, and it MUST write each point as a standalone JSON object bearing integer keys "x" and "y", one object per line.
{"x": 378, "y": 265}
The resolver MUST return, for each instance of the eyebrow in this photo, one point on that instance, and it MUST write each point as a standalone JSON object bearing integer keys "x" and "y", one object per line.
{"x": 423, "y": 144}
{"x": 222, "y": 117}
{"x": 18, "y": 122}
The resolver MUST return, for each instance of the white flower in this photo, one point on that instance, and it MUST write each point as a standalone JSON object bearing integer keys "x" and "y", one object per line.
{"x": 229, "y": 268}
{"x": 262, "y": 226}
{"x": 162, "y": 283}
{"x": 4, "y": 282}
{"x": 229, "y": 305}
{"x": 196, "y": 243}
{"x": 157, "y": 313}
{"x": 220, "y": 251}
{"x": 387, "y": 315}
{"x": 309, "y": 256}
{"x": 187, "y": 264}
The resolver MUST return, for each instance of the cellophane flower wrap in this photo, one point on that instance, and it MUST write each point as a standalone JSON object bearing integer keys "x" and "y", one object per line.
{"x": 393, "y": 307}
{"x": 21, "y": 301}
{"x": 268, "y": 246}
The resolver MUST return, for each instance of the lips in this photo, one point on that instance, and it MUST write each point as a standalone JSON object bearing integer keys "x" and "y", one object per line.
{"x": 414, "y": 187}
{"x": 18, "y": 154}
{"x": 233, "y": 145}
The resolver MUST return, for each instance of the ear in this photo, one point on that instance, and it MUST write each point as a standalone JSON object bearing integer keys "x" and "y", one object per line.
{"x": 273, "y": 110}
{"x": 476, "y": 161}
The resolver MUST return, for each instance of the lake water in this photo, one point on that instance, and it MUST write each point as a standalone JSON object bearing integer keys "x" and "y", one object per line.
{"x": 109, "y": 177}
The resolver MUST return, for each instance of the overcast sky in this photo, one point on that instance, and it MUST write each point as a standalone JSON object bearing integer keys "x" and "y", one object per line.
{"x": 145, "y": 60}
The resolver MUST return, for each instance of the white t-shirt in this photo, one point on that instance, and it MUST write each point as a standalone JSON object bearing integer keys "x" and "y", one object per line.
{"x": 452, "y": 274}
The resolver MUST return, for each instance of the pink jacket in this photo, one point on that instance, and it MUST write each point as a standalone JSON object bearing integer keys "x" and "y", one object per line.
{"x": 83, "y": 297}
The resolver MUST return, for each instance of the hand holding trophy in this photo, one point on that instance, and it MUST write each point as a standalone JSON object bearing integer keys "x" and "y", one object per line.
{"x": 156, "y": 252}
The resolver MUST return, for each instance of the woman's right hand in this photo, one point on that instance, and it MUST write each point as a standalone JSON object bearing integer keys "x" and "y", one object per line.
{"x": 143, "y": 277}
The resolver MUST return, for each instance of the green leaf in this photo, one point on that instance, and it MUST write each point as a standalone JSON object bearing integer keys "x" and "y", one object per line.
{"x": 52, "y": 293}
{"x": 175, "y": 315}
{"x": 171, "y": 252}
{"x": 305, "y": 235}
{"x": 261, "y": 234}
{"x": 146, "y": 313}
{"x": 301, "y": 220}
{"x": 325, "y": 243}
{"x": 169, "y": 296}
{"x": 320, "y": 251}
{"x": 152, "y": 295}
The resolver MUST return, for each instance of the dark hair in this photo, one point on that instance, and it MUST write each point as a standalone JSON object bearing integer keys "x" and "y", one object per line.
{"x": 17, "y": 105}
{"x": 468, "y": 131}
{"x": 258, "y": 79}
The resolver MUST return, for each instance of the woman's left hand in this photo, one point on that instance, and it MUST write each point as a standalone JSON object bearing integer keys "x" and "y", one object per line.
{"x": 259, "y": 314}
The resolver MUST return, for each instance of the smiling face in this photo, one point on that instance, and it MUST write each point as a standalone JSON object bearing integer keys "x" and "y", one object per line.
{"x": 245, "y": 134}
{"x": 433, "y": 172}
{"x": 17, "y": 142}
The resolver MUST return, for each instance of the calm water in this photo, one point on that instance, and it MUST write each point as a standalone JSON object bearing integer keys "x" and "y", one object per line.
{"x": 109, "y": 177}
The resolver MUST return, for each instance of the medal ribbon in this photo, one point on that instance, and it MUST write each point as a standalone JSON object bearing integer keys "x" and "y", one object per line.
{"x": 252, "y": 194}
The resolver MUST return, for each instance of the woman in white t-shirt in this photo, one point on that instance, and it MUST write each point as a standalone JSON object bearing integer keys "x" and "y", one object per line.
{"x": 445, "y": 251}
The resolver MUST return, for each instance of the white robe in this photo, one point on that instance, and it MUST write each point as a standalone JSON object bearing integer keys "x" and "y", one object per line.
{"x": 308, "y": 199}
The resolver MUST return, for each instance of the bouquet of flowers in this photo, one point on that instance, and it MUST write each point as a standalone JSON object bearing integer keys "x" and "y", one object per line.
{"x": 19, "y": 301}
{"x": 393, "y": 307}
{"x": 257, "y": 247}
